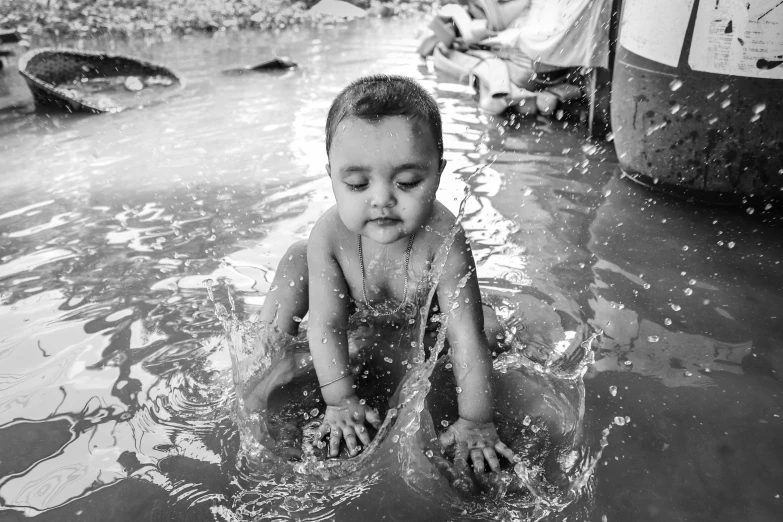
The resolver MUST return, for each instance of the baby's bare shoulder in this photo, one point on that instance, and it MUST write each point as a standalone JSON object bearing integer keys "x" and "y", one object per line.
{"x": 442, "y": 220}
{"x": 328, "y": 233}
{"x": 328, "y": 220}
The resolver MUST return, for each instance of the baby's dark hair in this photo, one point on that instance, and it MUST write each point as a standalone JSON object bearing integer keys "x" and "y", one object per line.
{"x": 373, "y": 97}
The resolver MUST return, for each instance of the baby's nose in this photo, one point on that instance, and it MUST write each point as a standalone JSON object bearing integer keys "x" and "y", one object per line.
{"x": 382, "y": 196}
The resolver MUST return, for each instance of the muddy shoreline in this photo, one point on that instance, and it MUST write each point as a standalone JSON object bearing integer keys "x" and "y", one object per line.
{"x": 44, "y": 22}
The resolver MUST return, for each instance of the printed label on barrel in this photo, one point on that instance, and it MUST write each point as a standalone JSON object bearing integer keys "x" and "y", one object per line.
{"x": 739, "y": 37}
{"x": 656, "y": 29}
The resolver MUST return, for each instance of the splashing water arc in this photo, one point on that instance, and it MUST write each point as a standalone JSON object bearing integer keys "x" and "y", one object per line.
{"x": 539, "y": 414}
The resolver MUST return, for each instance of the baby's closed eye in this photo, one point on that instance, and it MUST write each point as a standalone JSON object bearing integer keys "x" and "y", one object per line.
{"x": 356, "y": 187}
{"x": 407, "y": 185}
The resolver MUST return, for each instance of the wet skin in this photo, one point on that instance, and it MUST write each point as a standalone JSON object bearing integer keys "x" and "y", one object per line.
{"x": 384, "y": 175}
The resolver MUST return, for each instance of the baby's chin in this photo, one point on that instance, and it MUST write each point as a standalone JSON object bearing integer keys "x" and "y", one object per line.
{"x": 384, "y": 234}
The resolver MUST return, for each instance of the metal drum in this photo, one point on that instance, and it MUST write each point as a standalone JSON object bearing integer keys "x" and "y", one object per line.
{"x": 697, "y": 98}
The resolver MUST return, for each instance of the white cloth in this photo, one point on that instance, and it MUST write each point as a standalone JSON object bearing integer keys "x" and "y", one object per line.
{"x": 564, "y": 33}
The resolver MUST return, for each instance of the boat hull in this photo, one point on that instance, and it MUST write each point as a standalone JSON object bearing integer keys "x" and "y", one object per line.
{"x": 44, "y": 69}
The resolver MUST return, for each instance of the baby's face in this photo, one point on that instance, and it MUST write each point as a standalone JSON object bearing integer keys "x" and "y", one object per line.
{"x": 384, "y": 176}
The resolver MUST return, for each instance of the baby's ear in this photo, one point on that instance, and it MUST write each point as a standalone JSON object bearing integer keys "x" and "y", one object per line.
{"x": 328, "y": 169}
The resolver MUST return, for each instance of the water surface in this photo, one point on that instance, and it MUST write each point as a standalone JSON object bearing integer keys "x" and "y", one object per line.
{"x": 116, "y": 400}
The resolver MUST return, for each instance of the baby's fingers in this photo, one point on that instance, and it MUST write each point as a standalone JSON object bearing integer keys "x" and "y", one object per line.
{"x": 477, "y": 457}
{"x": 371, "y": 415}
{"x": 492, "y": 459}
{"x": 350, "y": 440}
{"x": 505, "y": 451}
{"x": 447, "y": 438}
{"x": 334, "y": 442}
{"x": 361, "y": 432}
{"x": 461, "y": 454}
{"x": 323, "y": 431}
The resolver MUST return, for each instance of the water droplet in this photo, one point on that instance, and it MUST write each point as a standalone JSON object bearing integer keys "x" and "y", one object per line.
{"x": 429, "y": 454}
{"x": 620, "y": 421}
{"x": 444, "y": 423}
{"x": 731, "y": 244}
{"x": 750, "y": 210}
{"x": 667, "y": 321}
{"x": 725, "y": 103}
{"x": 692, "y": 282}
{"x": 297, "y": 319}
{"x": 342, "y": 296}
{"x": 362, "y": 401}
{"x": 388, "y": 359}
{"x": 607, "y": 193}
{"x": 411, "y": 321}
{"x": 414, "y": 344}
{"x": 448, "y": 366}
{"x": 675, "y": 84}
{"x": 304, "y": 393}
{"x": 646, "y": 286}
{"x": 291, "y": 283}
{"x": 720, "y": 243}
{"x": 526, "y": 420}
{"x": 458, "y": 389}
{"x": 613, "y": 390}
{"x": 759, "y": 107}
{"x": 688, "y": 374}
{"x": 653, "y": 338}
{"x": 685, "y": 248}
{"x": 314, "y": 412}
{"x": 395, "y": 439}
{"x": 627, "y": 363}
{"x": 688, "y": 291}
{"x": 324, "y": 340}
{"x": 675, "y": 307}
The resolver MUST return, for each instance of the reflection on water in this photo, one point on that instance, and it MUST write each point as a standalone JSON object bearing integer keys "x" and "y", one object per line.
{"x": 116, "y": 394}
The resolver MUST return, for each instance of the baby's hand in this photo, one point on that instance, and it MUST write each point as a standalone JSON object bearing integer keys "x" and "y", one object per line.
{"x": 346, "y": 421}
{"x": 479, "y": 440}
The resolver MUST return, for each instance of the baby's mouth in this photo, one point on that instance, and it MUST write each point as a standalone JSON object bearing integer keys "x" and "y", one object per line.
{"x": 384, "y": 222}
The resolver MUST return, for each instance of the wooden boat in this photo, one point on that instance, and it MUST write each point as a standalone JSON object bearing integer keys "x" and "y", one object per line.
{"x": 94, "y": 81}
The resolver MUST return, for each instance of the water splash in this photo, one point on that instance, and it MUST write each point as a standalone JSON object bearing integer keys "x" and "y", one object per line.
{"x": 542, "y": 421}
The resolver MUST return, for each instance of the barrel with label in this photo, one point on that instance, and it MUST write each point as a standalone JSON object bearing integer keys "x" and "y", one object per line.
{"x": 697, "y": 97}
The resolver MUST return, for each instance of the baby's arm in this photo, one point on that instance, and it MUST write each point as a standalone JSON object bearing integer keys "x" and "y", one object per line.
{"x": 327, "y": 335}
{"x": 474, "y": 433}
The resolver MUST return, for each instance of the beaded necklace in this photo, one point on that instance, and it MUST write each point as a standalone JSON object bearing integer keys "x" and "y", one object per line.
{"x": 364, "y": 288}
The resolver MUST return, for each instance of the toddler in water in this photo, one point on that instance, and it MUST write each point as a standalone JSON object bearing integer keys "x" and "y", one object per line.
{"x": 372, "y": 250}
